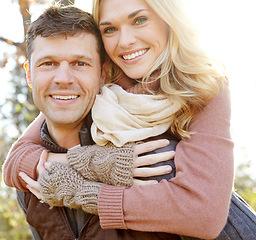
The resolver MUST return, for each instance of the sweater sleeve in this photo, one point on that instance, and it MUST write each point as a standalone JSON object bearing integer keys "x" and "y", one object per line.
{"x": 108, "y": 164}
{"x": 24, "y": 156}
{"x": 62, "y": 185}
{"x": 197, "y": 198}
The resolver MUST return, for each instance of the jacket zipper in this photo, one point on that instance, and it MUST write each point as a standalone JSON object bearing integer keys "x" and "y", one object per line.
{"x": 63, "y": 214}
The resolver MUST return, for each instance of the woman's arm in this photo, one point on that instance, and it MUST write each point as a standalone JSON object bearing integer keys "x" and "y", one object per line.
{"x": 197, "y": 198}
{"x": 29, "y": 145}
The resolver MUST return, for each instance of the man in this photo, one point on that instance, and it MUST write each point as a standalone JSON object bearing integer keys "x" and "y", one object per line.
{"x": 65, "y": 55}
{"x": 64, "y": 71}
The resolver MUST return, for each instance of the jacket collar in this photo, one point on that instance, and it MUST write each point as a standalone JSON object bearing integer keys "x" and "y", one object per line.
{"x": 84, "y": 137}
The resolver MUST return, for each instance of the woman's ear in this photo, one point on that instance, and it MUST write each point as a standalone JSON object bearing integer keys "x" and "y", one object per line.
{"x": 27, "y": 69}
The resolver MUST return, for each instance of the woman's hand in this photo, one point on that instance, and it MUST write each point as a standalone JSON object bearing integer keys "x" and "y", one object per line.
{"x": 32, "y": 185}
{"x": 140, "y": 161}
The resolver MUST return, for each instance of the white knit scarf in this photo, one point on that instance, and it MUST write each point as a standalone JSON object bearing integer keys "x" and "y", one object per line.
{"x": 121, "y": 117}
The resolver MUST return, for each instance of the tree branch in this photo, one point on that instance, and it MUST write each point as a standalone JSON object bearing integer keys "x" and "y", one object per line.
{"x": 10, "y": 42}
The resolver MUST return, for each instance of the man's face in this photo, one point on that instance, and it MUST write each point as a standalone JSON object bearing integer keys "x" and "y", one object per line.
{"x": 65, "y": 76}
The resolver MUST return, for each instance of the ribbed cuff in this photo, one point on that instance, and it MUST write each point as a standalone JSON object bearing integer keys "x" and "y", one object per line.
{"x": 110, "y": 207}
{"x": 28, "y": 166}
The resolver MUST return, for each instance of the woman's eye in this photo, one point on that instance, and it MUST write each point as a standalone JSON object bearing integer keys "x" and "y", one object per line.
{"x": 109, "y": 30}
{"x": 140, "y": 20}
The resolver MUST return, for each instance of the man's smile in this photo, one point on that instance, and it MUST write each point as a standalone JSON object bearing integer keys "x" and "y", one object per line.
{"x": 68, "y": 97}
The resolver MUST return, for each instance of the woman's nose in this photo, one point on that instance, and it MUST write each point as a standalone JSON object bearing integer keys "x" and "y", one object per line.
{"x": 127, "y": 38}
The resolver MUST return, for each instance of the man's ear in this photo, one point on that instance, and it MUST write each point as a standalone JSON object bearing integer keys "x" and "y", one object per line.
{"x": 103, "y": 74}
{"x": 27, "y": 69}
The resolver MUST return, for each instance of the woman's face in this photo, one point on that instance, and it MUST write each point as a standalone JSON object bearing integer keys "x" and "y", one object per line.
{"x": 134, "y": 35}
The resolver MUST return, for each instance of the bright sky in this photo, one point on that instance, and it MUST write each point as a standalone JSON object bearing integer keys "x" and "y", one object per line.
{"x": 229, "y": 32}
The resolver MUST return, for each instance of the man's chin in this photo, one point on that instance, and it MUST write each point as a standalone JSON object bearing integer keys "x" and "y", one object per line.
{"x": 65, "y": 119}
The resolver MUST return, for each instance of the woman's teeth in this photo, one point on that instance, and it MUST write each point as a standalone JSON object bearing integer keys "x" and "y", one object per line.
{"x": 134, "y": 55}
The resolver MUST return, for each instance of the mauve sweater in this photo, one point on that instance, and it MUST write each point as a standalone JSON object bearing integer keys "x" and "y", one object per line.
{"x": 194, "y": 203}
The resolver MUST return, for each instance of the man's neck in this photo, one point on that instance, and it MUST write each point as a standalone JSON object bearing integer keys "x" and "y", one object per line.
{"x": 66, "y": 137}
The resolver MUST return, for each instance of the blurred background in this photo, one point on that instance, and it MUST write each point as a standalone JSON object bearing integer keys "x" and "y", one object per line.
{"x": 228, "y": 32}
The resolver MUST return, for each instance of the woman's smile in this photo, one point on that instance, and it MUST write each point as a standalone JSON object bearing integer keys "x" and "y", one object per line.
{"x": 134, "y": 55}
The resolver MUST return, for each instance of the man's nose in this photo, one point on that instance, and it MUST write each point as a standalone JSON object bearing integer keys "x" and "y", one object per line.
{"x": 127, "y": 38}
{"x": 63, "y": 74}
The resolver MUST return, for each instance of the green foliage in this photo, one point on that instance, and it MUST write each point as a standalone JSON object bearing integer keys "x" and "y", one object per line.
{"x": 245, "y": 185}
{"x": 13, "y": 225}
{"x": 12, "y": 221}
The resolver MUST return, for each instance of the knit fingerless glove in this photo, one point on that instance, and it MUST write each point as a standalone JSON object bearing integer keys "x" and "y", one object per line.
{"x": 109, "y": 164}
{"x": 62, "y": 185}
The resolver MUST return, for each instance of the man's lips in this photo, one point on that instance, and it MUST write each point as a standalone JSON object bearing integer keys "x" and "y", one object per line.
{"x": 64, "y": 97}
{"x": 134, "y": 55}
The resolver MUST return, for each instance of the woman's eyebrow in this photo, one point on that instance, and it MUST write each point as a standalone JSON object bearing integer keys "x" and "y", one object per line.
{"x": 105, "y": 23}
{"x": 131, "y": 15}
{"x": 135, "y": 13}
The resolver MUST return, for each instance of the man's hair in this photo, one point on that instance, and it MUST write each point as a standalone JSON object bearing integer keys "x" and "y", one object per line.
{"x": 63, "y": 21}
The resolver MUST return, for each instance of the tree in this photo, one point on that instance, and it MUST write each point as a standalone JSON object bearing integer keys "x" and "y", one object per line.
{"x": 16, "y": 113}
{"x": 22, "y": 111}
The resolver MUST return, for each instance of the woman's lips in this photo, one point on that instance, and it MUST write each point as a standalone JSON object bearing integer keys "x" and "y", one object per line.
{"x": 134, "y": 55}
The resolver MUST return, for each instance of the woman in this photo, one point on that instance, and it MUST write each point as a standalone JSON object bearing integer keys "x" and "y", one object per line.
{"x": 195, "y": 84}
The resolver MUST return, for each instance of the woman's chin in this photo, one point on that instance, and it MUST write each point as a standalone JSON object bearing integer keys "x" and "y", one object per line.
{"x": 135, "y": 74}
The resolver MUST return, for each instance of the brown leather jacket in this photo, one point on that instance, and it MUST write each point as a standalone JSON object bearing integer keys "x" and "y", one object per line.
{"x": 53, "y": 224}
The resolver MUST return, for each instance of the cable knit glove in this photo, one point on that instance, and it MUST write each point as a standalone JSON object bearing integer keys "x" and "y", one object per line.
{"x": 109, "y": 164}
{"x": 64, "y": 186}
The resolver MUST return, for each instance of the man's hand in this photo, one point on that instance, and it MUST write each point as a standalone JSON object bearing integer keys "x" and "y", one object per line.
{"x": 140, "y": 161}
{"x": 57, "y": 157}
{"x": 33, "y": 186}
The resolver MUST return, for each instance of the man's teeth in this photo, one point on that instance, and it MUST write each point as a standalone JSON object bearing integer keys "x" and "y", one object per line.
{"x": 134, "y": 55}
{"x": 65, "y": 97}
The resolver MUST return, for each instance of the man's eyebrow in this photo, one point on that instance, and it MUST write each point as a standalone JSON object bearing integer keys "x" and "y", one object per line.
{"x": 72, "y": 58}
{"x": 83, "y": 57}
{"x": 131, "y": 15}
{"x": 43, "y": 58}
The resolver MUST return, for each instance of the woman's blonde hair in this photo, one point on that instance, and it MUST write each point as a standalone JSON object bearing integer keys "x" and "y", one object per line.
{"x": 187, "y": 73}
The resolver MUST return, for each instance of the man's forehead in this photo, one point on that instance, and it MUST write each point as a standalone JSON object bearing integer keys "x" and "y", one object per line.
{"x": 83, "y": 45}
{"x": 82, "y": 37}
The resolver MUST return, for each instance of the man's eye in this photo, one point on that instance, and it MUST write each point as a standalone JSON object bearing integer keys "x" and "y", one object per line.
{"x": 47, "y": 64}
{"x": 81, "y": 64}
